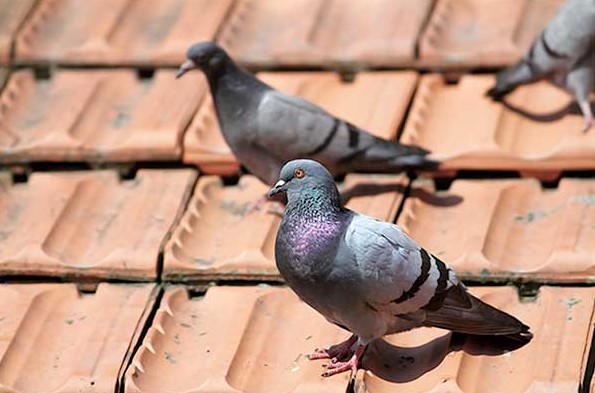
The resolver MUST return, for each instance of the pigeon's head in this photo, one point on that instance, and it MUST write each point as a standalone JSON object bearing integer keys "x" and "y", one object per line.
{"x": 206, "y": 56}
{"x": 301, "y": 177}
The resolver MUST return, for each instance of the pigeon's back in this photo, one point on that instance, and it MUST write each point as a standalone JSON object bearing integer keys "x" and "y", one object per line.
{"x": 290, "y": 128}
{"x": 571, "y": 32}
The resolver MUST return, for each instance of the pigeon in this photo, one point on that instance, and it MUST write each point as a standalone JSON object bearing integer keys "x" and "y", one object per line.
{"x": 368, "y": 276}
{"x": 264, "y": 127}
{"x": 564, "y": 53}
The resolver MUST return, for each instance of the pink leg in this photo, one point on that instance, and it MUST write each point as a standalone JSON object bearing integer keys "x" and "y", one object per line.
{"x": 352, "y": 364}
{"x": 587, "y": 115}
{"x": 340, "y": 351}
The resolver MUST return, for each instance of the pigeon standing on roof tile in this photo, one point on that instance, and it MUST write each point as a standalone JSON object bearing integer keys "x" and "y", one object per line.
{"x": 366, "y": 275}
{"x": 564, "y": 53}
{"x": 264, "y": 127}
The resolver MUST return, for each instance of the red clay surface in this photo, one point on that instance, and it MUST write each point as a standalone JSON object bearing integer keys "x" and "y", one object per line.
{"x": 469, "y": 131}
{"x": 3, "y": 75}
{"x": 214, "y": 240}
{"x": 97, "y": 116}
{"x": 117, "y": 31}
{"x": 376, "y": 101}
{"x": 483, "y": 33}
{"x": 13, "y": 15}
{"x": 503, "y": 229}
{"x": 255, "y": 339}
{"x": 89, "y": 224}
{"x": 324, "y": 32}
{"x": 57, "y": 340}
{"x": 93, "y": 226}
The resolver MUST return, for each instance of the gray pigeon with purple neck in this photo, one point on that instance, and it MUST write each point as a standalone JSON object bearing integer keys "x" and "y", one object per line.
{"x": 264, "y": 127}
{"x": 366, "y": 275}
{"x": 564, "y": 53}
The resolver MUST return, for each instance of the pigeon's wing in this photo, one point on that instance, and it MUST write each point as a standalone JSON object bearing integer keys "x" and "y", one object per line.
{"x": 581, "y": 78}
{"x": 290, "y": 127}
{"x": 571, "y": 32}
{"x": 395, "y": 273}
{"x": 400, "y": 277}
{"x": 457, "y": 310}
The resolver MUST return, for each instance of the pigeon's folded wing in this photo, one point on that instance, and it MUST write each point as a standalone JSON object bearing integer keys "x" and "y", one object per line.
{"x": 395, "y": 273}
{"x": 292, "y": 127}
{"x": 459, "y": 311}
{"x": 402, "y": 278}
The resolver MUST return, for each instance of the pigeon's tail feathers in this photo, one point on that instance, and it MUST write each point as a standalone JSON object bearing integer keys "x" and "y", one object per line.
{"x": 523, "y": 337}
{"x": 464, "y": 313}
{"x": 390, "y": 156}
{"x": 509, "y": 79}
{"x": 416, "y": 160}
{"x": 497, "y": 93}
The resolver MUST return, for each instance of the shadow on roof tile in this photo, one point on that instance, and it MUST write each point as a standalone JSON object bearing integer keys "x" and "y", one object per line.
{"x": 254, "y": 339}
{"x": 213, "y": 240}
{"x": 468, "y": 131}
{"x": 509, "y": 229}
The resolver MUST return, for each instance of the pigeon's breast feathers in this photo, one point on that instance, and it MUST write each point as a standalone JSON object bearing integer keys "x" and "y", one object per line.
{"x": 314, "y": 219}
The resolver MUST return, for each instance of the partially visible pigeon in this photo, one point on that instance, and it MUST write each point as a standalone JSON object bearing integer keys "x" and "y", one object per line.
{"x": 366, "y": 275}
{"x": 264, "y": 127}
{"x": 564, "y": 53}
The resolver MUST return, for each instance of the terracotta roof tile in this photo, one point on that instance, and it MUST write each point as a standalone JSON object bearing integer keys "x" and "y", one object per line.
{"x": 213, "y": 240}
{"x": 117, "y": 31}
{"x": 257, "y": 32}
{"x": 503, "y": 229}
{"x": 235, "y": 339}
{"x": 13, "y": 15}
{"x": 3, "y": 76}
{"x": 483, "y": 33}
{"x": 89, "y": 223}
{"x": 376, "y": 101}
{"x": 254, "y": 339}
{"x": 57, "y": 340}
{"x": 469, "y": 131}
{"x": 561, "y": 319}
{"x": 96, "y": 116}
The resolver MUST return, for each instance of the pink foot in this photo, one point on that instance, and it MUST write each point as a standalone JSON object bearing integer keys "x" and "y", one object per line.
{"x": 352, "y": 364}
{"x": 587, "y": 114}
{"x": 340, "y": 351}
{"x": 589, "y": 122}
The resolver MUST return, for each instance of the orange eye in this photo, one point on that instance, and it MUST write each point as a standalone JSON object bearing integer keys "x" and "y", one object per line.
{"x": 299, "y": 173}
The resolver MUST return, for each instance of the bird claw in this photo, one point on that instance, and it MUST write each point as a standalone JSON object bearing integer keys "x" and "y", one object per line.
{"x": 336, "y": 367}
{"x": 341, "y": 367}
{"x": 340, "y": 351}
{"x": 319, "y": 354}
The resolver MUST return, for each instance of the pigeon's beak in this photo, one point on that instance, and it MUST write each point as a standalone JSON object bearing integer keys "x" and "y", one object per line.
{"x": 185, "y": 67}
{"x": 277, "y": 188}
